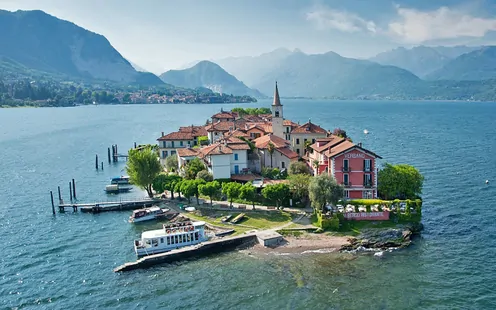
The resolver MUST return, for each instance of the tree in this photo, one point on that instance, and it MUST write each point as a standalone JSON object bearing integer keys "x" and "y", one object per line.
{"x": 177, "y": 187}
{"x": 248, "y": 192}
{"x": 399, "y": 181}
{"x": 210, "y": 189}
{"x": 170, "y": 183}
{"x": 159, "y": 183}
{"x": 193, "y": 167}
{"x": 143, "y": 167}
{"x": 276, "y": 193}
{"x": 298, "y": 184}
{"x": 231, "y": 190}
{"x": 188, "y": 188}
{"x": 271, "y": 149}
{"x": 298, "y": 167}
{"x": 324, "y": 189}
{"x": 202, "y": 140}
{"x": 340, "y": 133}
{"x": 197, "y": 183}
{"x": 205, "y": 175}
{"x": 171, "y": 163}
{"x": 308, "y": 145}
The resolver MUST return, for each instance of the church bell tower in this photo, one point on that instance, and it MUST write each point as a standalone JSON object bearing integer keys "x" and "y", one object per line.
{"x": 277, "y": 116}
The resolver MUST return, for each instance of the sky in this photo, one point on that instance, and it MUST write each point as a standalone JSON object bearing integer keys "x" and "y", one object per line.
{"x": 160, "y": 35}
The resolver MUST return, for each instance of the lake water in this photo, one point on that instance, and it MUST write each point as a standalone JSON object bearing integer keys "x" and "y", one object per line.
{"x": 66, "y": 261}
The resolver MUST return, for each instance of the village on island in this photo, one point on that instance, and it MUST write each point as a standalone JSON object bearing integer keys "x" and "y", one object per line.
{"x": 251, "y": 176}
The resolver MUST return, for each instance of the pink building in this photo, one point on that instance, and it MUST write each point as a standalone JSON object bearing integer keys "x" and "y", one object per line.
{"x": 351, "y": 165}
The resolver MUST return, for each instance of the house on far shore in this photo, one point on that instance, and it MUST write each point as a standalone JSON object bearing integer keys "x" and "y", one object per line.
{"x": 184, "y": 138}
{"x": 282, "y": 155}
{"x": 350, "y": 164}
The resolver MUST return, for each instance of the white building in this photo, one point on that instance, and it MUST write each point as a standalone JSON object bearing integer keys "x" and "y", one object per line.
{"x": 184, "y": 138}
{"x": 282, "y": 155}
{"x": 225, "y": 158}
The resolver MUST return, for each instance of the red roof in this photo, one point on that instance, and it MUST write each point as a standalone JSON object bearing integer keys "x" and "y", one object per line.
{"x": 326, "y": 143}
{"x": 225, "y": 115}
{"x": 177, "y": 135}
{"x": 187, "y": 152}
{"x": 309, "y": 128}
{"x": 345, "y": 146}
{"x": 263, "y": 141}
{"x": 286, "y": 151}
{"x": 197, "y": 131}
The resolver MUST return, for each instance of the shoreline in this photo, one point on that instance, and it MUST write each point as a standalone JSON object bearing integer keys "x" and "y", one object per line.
{"x": 305, "y": 244}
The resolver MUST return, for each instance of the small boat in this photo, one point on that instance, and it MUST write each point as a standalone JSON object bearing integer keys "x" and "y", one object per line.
{"x": 123, "y": 179}
{"x": 115, "y": 189}
{"x": 226, "y": 218}
{"x": 171, "y": 236}
{"x": 147, "y": 214}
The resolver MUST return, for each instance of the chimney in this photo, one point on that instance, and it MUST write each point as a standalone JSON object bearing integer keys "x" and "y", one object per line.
{"x": 359, "y": 144}
{"x": 163, "y": 134}
{"x": 230, "y": 129}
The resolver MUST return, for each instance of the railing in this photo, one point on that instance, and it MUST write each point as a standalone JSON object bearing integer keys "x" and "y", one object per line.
{"x": 368, "y": 184}
{"x": 346, "y": 184}
{"x": 346, "y": 169}
{"x": 367, "y": 169}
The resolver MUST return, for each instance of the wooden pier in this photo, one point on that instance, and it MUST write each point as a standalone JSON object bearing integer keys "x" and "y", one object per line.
{"x": 104, "y": 206}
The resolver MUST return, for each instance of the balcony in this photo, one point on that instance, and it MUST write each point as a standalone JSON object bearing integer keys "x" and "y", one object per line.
{"x": 346, "y": 169}
{"x": 368, "y": 184}
{"x": 367, "y": 169}
{"x": 346, "y": 184}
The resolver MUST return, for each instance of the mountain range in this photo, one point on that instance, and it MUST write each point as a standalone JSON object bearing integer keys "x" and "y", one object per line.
{"x": 209, "y": 75}
{"x": 37, "y": 44}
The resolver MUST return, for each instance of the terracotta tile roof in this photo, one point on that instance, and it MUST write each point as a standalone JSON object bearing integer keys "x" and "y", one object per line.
{"x": 263, "y": 142}
{"x": 338, "y": 149}
{"x": 286, "y": 151}
{"x": 245, "y": 177}
{"x": 196, "y": 131}
{"x": 236, "y": 133}
{"x": 220, "y": 126}
{"x": 326, "y": 143}
{"x": 187, "y": 152}
{"x": 225, "y": 115}
{"x": 215, "y": 149}
{"x": 177, "y": 135}
{"x": 309, "y": 128}
{"x": 288, "y": 122}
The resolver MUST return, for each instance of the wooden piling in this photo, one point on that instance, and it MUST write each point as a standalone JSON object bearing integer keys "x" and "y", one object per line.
{"x": 96, "y": 162}
{"x": 74, "y": 189}
{"x": 108, "y": 153}
{"x": 53, "y": 205}
{"x": 113, "y": 153}
{"x": 60, "y": 196}
{"x": 102, "y": 165}
{"x": 116, "y": 156}
{"x": 70, "y": 190}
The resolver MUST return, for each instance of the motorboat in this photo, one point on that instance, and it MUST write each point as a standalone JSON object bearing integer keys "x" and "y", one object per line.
{"x": 147, "y": 214}
{"x": 116, "y": 188}
{"x": 171, "y": 236}
{"x": 123, "y": 179}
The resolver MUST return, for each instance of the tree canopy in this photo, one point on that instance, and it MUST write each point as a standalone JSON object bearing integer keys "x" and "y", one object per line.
{"x": 143, "y": 167}
{"x": 276, "y": 193}
{"x": 399, "y": 181}
{"x": 193, "y": 167}
{"x": 298, "y": 184}
{"x": 205, "y": 175}
{"x": 324, "y": 189}
{"x": 298, "y": 167}
{"x": 252, "y": 111}
{"x": 231, "y": 190}
{"x": 210, "y": 189}
{"x": 248, "y": 192}
{"x": 171, "y": 163}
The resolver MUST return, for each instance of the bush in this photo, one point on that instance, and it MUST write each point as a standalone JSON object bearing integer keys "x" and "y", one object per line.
{"x": 205, "y": 175}
{"x": 326, "y": 223}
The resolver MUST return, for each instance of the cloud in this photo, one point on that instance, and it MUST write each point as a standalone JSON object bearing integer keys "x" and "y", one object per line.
{"x": 414, "y": 26}
{"x": 326, "y": 18}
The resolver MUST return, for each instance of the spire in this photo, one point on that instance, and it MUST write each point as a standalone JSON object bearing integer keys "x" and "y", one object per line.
{"x": 277, "y": 100}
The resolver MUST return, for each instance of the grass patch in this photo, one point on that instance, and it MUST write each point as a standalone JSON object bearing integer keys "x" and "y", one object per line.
{"x": 290, "y": 233}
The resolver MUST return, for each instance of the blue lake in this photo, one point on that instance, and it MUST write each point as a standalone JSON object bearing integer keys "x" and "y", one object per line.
{"x": 66, "y": 261}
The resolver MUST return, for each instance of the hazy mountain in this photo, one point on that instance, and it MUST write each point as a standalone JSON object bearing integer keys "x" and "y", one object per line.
{"x": 209, "y": 75}
{"x": 330, "y": 74}
{"x": 137, "y": 67}
{"x": 42, "y": 42}
{"x": 476, "y": 65}
{"x": 421, "y": 60}
{"x": 249, "y": 69}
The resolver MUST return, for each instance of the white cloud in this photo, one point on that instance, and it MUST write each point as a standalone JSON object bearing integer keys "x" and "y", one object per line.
{"x": 326, "y": 18}
{"x": 413, "y": 26}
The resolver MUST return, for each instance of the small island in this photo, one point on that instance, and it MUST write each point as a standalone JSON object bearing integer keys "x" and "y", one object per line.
{"x": 249, "y": 172}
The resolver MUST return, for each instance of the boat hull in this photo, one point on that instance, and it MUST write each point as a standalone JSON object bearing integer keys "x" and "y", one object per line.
{"x": 144, "y": 251}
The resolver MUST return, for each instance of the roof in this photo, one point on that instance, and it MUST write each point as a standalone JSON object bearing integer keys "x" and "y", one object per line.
{"x": 196, "y": 131}
{"x": 309, "y": 128}
{"x": 225, "y": 115}
{"x": 286, "y": 151}
{"x": 288, "y": 122}
{"x": 187, "y": 152}
{"x": 345, "y": 146}
{"x": 223, "y": 147}
{"x": 220, "y": 126}
{"x": 328, "y": 142}
{"x": 177, "y": 135}
{"x": 263, "y": 141}
{"x": 236, "y": 133}
{"x": 277, "y": 100}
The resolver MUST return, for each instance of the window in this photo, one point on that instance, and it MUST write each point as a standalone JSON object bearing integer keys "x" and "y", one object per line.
{"x": 180, "y": 143}
{"x": 347, "y": 194}
{"x": 176, "y": 239}
{"x": 283, "y": 165}
{"x": 367, "y": 165}
{"x": 367, "y": 180}
{"x": 164, "y": 154}
{"x": 367, "y": 195}
{"x": 287, "y": 129}
{"x": 235, "y": 156}
{"x": 192, "y": 237}
{"x": 346, "y": 179}
{"x": 161, "y": 240}
{"x": 276, "y": 114}
{"x": 168, "y": 240}
{"x": 313, "y": 141}
{"x": 298, "y": 151}
{"x": 297, "y": 141}
{"x": 164, "y": 144}
{"x": 172, "y": 143}
{"x": 346, "y": 166}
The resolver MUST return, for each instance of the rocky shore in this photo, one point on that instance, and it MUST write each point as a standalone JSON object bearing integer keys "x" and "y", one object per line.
{"x": 383, "y": 239}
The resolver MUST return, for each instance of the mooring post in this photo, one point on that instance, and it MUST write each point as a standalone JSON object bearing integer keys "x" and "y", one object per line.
{"x": 53, "y": 205}
{"x": 96, "y": 162}
{"x": 108, "y": 153}
{"x": 102, "y": 165}
{"x": 60, "y": 196}
{"x": 74, "y": 189}
{"x": 134, "y": 144}
{"x": 116, "y": 156}
{"x": 113, "y": 153}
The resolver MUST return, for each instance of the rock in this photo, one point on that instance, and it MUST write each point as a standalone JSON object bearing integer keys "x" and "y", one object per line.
{"x": 406, "y": 235}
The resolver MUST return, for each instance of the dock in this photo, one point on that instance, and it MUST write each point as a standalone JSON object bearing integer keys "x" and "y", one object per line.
{"x": 199, "y": 250}
{"x": 104, "y": 206}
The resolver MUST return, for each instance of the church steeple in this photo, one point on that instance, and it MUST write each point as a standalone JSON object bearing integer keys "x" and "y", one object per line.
{"x": 277, "y": 100}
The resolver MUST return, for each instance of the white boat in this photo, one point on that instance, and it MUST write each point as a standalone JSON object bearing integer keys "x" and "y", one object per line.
{"x": 116, "y": 188}
{"x": 147, "y": 214}
{"x": 171, "y": 236}
{"x": 123, "y": 179}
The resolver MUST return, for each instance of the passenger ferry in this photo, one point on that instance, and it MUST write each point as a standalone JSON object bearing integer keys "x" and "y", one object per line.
{"x": 123, "y": 179}
{"x": 171, "y": 236}
{"x": 147, "y": 214}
